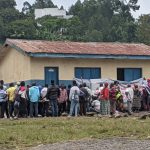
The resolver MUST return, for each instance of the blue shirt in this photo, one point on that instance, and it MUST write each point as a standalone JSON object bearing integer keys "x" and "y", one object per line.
{"x": 2, "y": 95}
{"x": 34, "y": 94}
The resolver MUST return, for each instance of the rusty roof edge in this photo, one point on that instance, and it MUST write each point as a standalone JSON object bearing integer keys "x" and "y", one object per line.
{"x": 16, "y": 47}
{"x": 91, "y": 56}
{"x": 76, "y": 55}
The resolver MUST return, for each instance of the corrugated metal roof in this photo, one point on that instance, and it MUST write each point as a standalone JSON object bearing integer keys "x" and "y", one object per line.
{"x": 60, "y": 47}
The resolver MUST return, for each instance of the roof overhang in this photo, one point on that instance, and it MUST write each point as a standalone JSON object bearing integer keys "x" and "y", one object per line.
{"x": 75, "y": 56}
{"x": 89, "y": 56}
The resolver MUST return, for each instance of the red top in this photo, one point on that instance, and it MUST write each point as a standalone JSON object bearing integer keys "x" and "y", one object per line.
{"x": 105, "y": 94}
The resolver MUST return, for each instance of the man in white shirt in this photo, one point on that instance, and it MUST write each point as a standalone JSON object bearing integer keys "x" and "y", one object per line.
{"x": 45, "y": 101}
{"x": 74, "y": 98}
{"x": 129, "y": 95}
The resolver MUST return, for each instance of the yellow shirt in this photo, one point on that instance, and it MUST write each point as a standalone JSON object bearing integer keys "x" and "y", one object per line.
{"x": 11, "y": 93}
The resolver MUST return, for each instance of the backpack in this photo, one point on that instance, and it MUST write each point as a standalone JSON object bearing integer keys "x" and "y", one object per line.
{"x": 75, "y": 96}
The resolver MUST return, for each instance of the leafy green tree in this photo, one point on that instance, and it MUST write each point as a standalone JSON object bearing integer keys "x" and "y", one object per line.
{"x": 27, "y": 8}
{"x": 22, "y": 29}
{"x": 61, "y": 8}
{"x": 43, "y": 4}
{"x": 8, "y": 13}
{"x": 75, "y": 29}
{"x": 76, "y": 9}
{"x": 111, "y": 19}
{"x": 133, "y": 5}
{"x": 7, "y": 4}
{"x": 2, "y": 26}
{"x": 93, "y": 20}
{"x": 94, "y": 36}
{"x": 50, "y": 28}
{"x": 143, "y": 30}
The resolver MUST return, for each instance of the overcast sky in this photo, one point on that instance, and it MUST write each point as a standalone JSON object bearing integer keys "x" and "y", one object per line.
{"x": 144, "y": 9}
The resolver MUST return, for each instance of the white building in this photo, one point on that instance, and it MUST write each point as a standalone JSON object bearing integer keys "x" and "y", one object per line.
{"x": 54, "y": 12}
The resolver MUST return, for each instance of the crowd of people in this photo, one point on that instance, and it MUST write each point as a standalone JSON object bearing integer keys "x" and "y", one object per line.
{"x": 18, "y": 100}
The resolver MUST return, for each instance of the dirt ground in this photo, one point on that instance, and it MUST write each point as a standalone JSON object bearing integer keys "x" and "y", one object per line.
{"x": 101, "y": 144}
{"x": 96, "y": 144}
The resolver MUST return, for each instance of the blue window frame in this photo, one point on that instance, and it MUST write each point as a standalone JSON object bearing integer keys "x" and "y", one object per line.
{"x": 88, "y": 73}
{"x": 129, "y": 74}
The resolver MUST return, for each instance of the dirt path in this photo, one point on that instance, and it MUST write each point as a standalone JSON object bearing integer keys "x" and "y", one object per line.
{"x": 109, "y": 144}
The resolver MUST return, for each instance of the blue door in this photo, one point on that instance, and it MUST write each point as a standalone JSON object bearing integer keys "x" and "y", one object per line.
{"x": 51, "y": 73}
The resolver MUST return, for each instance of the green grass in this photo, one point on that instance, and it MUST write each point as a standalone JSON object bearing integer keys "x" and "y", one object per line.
{"x": 31, "y": 132}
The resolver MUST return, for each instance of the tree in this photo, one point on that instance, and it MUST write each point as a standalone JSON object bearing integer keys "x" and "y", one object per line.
{"x": 7, "y": 4}
{"x": 94, "y": 36}
{"x": 62, "y": 8}
{"x": 43, "y": 4}
{"x": 143, "y": 30}
{"x": 51, "y": 28}
{"x": 8, "y": 13}
{"x": 22, "y": 29}
{"x": 2, "y": 26}
{"x": 75, "y": 29}
{"x": 27, "y": 8}
{"x": 93, "y": 20}
{"x": 76, "y": 9}
{"x": 111, "y": 19}
{"x": 133, "y": 5}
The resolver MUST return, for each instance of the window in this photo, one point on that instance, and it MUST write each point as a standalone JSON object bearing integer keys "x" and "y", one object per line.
{"x": 88, "y": 73}
{"x": 129, "y": 74}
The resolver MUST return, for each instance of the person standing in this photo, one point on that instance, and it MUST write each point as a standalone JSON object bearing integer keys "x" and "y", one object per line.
{"x": 11, "y": 91}
{"x": 45, "y": 101}
{"x": 34, "y": 95}
{"x": 6, "y": 99}
{"x": 28, "y": 99}
{"x": 136, "y": 99}
{"x": 83, "y": 99}
{"x": 129, "y": 95}
{"x": 74, "y": 98}
{"x": 3, "y": 96}
{"x": 62, "y": 100}
{"x": 88, "y": 97}
{"x": 105, "y": 103}
{"x": 2, "y": 84}
{"x": 23, "y": 100}
{"x": 148, "y": 95}
{"x": 53, "y": 94}
{"x": 112, "y": 98}
{"x": 68, "y": 101}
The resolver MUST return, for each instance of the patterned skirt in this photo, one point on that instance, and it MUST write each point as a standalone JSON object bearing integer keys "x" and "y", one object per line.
{"x": 105, "y": 107}
{"x": 136, "y": 102}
